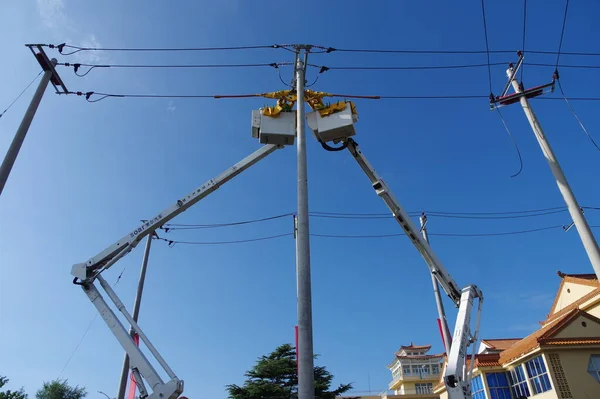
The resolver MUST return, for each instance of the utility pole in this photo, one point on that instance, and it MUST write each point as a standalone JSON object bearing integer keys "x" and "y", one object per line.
{"x": 306, "y": 388}
{"x": 136, "y": 311}
{"x": 50, "y": 76}
{"x": 581, "y": 224}
{"x": 436, "y": 291}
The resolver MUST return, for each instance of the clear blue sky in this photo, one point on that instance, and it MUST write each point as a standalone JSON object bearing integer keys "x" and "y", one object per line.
{"x": 89, "y": 172}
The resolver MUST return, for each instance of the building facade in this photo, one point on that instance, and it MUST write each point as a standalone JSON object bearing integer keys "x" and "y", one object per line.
{"x": 414, "y": 372}
{"x": 561, "y": 360}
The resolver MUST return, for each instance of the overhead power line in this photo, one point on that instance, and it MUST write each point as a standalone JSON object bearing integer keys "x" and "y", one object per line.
{"x": 88, "y": 96}
{"x": 321, "y": 49}
{"x": 375, "y": 216}
{"x": 173, "y": 242}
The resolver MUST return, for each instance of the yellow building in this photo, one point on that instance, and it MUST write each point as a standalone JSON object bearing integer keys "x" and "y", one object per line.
{"x": 561, "y": 360}
{"x": 414, "y": 373}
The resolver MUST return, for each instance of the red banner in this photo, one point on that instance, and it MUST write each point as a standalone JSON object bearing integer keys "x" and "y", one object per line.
{"x": 132, "y": 385}
{"x": 296, "y": 333}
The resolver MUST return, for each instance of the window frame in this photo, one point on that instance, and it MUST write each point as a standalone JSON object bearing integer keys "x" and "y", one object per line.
{"x": 479, "y": 392}
{"x": 520, "y": 386}
{"x": 538, "y": 376}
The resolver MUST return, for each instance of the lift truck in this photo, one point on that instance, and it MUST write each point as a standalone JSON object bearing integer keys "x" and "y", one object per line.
{"x": 275, "y": 128}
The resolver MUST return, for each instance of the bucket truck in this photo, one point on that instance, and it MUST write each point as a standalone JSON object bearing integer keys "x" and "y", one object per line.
{"x": 275, "y": 133}
{"x": 335, "y": 124}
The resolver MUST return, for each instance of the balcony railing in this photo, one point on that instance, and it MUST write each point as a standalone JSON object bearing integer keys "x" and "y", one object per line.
{"x": 406, "y": 392}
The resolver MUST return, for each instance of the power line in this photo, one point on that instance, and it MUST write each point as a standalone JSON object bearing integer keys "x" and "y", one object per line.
{"x": 173, "y": 242}
{"x": 487, "y": 46}
{"x": 577, "y": 117}
{"x": 77, "y": 66}
{"x": 524, "y": 31}
{"x": 77, "y": 49}
{"x": 102, "y": 95}
{"x": 367, "y": 236}
{"x": 20, "y": 94}
{"x": 375, "y": 216}
{"x": 562, "y": 33}
{"x": 513, "y": 141}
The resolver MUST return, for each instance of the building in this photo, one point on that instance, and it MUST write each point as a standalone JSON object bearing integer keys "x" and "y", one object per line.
{"x": 414, "y": 373}
{"x": 561, "y": 360}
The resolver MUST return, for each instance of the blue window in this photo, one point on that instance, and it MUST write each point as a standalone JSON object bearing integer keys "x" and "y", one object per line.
{"x": 519, "y": 383}
{"x": 594, "y": 367}
{"x": 538, "y": 376}
{"x": 498, "y": 385}
{"x": 477, "y": 388}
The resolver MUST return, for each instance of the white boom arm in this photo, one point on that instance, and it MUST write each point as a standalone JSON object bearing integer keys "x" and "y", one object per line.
{"x": 456, "y": 377}
{"x": 86, "y": 273}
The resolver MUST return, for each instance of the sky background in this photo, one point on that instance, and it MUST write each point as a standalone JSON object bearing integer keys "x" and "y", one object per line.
{"x": 88, "y": 173}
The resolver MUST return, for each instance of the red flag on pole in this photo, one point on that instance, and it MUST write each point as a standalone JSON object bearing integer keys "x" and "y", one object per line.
{"x": 296, "y": 333}
{"x": 132, "y": 385}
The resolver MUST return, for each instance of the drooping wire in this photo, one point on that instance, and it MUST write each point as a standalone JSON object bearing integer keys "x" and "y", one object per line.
{"x": 77, "y": 66}
{"x": 524, "y": 31}
{"x": 178, "y": 226}
{"x": 487, "y": 45}
{"x": 172, "y": 243}
{"x": 20, "y": 94}
{"x": 562, "y": 33}
{"x": 576, "y": 116}
{"x": 514, "y": 143}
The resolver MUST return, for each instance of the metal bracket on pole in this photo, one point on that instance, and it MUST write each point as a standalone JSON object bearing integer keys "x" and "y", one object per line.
{"x": 40, "y": 55}
{"x": 504, "y": 99}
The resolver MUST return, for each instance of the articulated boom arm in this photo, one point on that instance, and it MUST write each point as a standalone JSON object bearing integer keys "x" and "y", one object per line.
{"x": 382, "y": 190}
{"x": 456, "y": 377}
{"x": 105, "y": 259}
{"x": 86, "y": 274}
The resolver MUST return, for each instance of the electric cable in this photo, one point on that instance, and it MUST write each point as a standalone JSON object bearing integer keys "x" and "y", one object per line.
{"x": 88, "y": 95}
{"x": 487, "y": 47}
{"x": 524, "y": 31}
{"x": 324, "y": 68}
{"x": 77, "y": 66}
{"x": 513, "y": 141}
{"x": 77, "y": 49}
{"x": 172, "y": 243}
{"x": 374, "y": 216}
{"x": 576, "y": 116}
{"x": 20, "y": 94}
{"x": 562, "y": 33}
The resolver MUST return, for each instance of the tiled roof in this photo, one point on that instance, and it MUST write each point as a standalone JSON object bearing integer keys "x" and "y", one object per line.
{"x": 416, "y": 347}
{"x": 571, "y": 341}
{"x": 500, "y": 344}
{"x": 438, "y": 356}
{"x": 574, "y": 305}
{"x": 583, "y": 279}
{"x": 541, "y": 336}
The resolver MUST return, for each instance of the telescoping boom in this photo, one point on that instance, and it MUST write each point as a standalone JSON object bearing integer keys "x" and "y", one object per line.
{"x": 268, "y": 130}
{"x": 335, "y": 123}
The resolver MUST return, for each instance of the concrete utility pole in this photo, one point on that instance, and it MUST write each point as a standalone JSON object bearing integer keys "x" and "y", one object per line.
{"x": 436, "y": 293}
{"x": 306, "y": 388}
{"x": 17, "y": 142}
{"x": 135, "y": 314}
{"x": 50, "y": 76}
{"x": 581, "y": 224}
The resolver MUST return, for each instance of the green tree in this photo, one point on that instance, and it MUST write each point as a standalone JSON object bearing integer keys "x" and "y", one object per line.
{"x": 274, "y": 377}
{"x": 8, "y": 394}
{"x": 58, "y": 389}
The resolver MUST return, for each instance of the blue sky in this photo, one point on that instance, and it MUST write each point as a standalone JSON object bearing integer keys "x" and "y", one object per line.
{"x": 88, "y": 173}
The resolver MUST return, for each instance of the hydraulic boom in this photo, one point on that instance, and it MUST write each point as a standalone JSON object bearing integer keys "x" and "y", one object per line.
{"x": 456, "y": 376}
{"x": 85, "y": 275}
